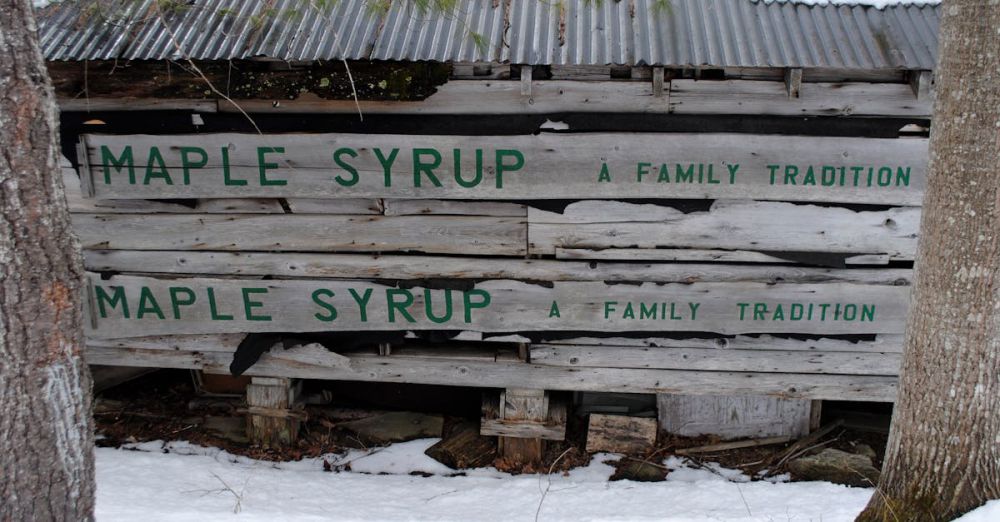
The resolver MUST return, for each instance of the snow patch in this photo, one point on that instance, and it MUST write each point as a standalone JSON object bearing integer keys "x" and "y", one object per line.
{"x": 174, "y": 481}
{"x": 989, "y": 512}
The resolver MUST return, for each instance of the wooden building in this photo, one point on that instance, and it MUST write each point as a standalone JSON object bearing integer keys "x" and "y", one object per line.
{"x": 716, "y": 202}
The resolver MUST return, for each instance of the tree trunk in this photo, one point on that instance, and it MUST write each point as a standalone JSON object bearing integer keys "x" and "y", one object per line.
{"x": 46, "y": 434}
{"x": 943, "y": 457}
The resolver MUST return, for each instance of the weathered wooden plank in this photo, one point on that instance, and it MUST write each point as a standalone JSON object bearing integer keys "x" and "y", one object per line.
{"x": 355, "y": 206}
{"x": 620, "y": 433}
{"x": 825, "y": 99}
{"x": 733, "y": 416}
{"x": 669, "y": 255}
{"x": 180, "y": 343}
{"x": 88, "y": 104}
{"x": 504, "y": 97}
{"x": 128, "y": 306}
{"x": 697, "y": 255}
{"x": 741, "y": 225}
{"x": 362, "y": 266}
{"x": 408, "y": 207}
{"x": 431, "y": 234}
{"x": 546, "y": 166}
{"x": 883, "y": 343}
{"x": 504, "y": 374}
{"x": 78, "y": 204}
{"x": 778, "y": 361}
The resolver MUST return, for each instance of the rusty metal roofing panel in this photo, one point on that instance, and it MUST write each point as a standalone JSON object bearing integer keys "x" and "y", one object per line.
{"x": 675, "y": 33}
{"x": 72, "y": 31}
{"x": 747, "y": 33}
{"x": 472, "y": 32}
{"x": 302, "y": 31}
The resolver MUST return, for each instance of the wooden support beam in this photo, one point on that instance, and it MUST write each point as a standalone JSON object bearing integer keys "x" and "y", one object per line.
{"x": 921, "y": 82}
{"x": 793, "y": 82}
{"x": 527, "y": 406}
{"x": 685, "y": 97}
{"x": 526, "y": 80}
{"x": 492, "y": 424}
{"x": 270, "y": 419}
{"x": 658, "y": 81}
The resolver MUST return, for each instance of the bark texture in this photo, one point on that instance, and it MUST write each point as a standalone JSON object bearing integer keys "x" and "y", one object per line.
{"x": 46, "y": 436}
{"x": 944, "y": 449}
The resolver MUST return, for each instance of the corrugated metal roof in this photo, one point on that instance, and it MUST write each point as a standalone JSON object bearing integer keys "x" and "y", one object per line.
{"x": 685, "y": 33}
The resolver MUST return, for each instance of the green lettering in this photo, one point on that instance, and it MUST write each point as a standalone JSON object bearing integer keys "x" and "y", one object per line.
{"x": 226, "y": 177}
{"x": 386, "y": 164}
{"x": 187, "y": 164}
{"x": 108, "y": 160}
{"x": 331, "y": 311}
{"x": 426, "y": 168}
{"x": 458, "y": 169}
{"x": 353, "y": 180}
{"x": 554, "y": 310}
{"x": 664, "y": 176}
{"x": 249, "y": 305}
{"x": 362, "y": 302}
{"x": 429, "y": 308}
{"x": 176, "y": 303}
{"x": 394, "y": 306}
{"x": 903, "y": 176}
{"x": 156, "y": 168}
{"x": 733, "y": 167}
{"x": 112, "y": 301}
{"x": 685, "y": 175}
{"x": 503, "y": 167}
{"x": 263, "y": 166}
{"x": 605, "y": 175}
{"x": 470, "y": 305}
{"x": 148, "y": 304}
{"x": 641, "y": 170}
{"x": 213, "y": 309}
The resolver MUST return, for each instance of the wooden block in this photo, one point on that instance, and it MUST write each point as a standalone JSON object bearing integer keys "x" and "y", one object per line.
{"x": 270, "y": 421}
{"x": 733, "y": 416}
{"x": 620, "y": 434}
{"x": 524, "y": 405}
{"x": 464, "y": 447}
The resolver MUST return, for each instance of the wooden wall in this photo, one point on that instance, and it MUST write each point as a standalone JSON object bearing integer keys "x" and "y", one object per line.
{"x": 685, "y": 263}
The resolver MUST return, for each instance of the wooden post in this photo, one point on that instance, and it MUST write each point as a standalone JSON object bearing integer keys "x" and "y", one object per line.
{"x": 658, "y": 81}
{"x": 518, "y": 404}
{"x": 920, "y": 82}
{"x": 270, "y": 420}
{"x": 793, "y": 82}
{"x": 526, "y": 80}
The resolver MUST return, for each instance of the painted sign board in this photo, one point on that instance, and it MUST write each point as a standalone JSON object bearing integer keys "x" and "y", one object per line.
{"x": 129, "y": 306}
{"x": 546, "y": 166}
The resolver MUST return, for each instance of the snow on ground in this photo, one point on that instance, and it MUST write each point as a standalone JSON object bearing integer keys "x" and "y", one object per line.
{"x": 181, "y": 482}
{"x": 987, "y": 513}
